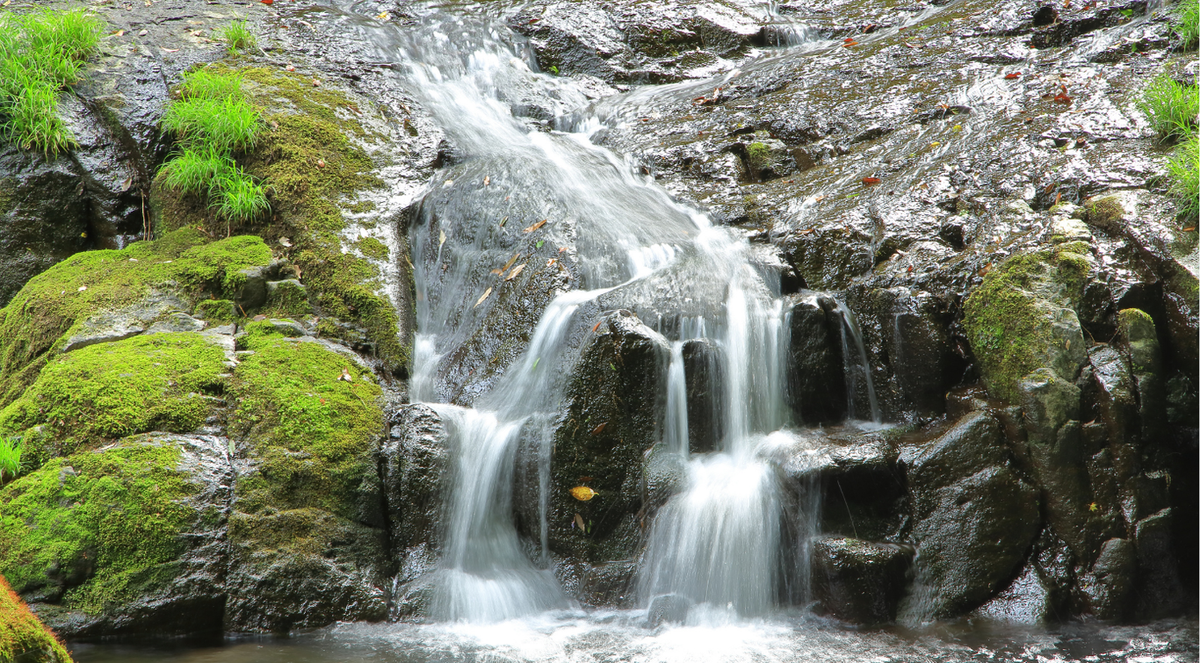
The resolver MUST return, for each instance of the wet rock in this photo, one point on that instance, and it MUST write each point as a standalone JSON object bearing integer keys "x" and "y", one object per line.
{"x": 704, "y": 382}
{"x": 1160, "y": 591}
{"x": 973, "y": 444}
{"x": 972, "y": 541}
{"x": 253, "y": 290}
{"x": 416, "y": 469}
{"x": 176, "y": 322}
{"x": 1145, "y": 360}
{"x": 288, "y": 327}
{"x": 668, "y": 609}
{"x": 1114, "y": 392}
{"x": 1109, "y": 584}
{"x": 859, "y": 581}
{"x": 610, "y": 421}
{"x": 607, "y": 585}
{"x": 816, "y": 379}
{"x": 1049, "y": 403}
{"x": 1026, "y": 601}
{"x": 664, "y": 474}
{"x": 109, "y": 326}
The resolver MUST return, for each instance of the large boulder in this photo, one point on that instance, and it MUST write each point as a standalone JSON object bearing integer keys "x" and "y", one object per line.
{"x": 816, "y": 377}
{"x": 859, "y": 581}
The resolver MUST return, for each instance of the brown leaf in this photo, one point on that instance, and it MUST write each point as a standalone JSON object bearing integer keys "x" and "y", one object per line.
{"x": 487, "y": 180}
{"x": 599, "y": 429}
{"x": 535, "y": 226}
{"x": 585, "y": 479}
{"x": 482, "y": 297}
{"x": 516, "y": 270}
{"x": 597, "y": 325}
{"x": 579, "y": 523}
{"x": 1012, "y": 76}
{"x": 870, "y": 181}
{"x": 508, "y": 264}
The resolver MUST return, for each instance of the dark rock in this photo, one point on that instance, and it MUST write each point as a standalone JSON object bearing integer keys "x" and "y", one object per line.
{"x": 971, "y": 543}
{"x": 816, "y": 380}
{"x": 664, "y": 473}
{"x": 702, "y": 375}
{"x": 416, "y": 471}
{"x": 971, "y": 445}
{"x": 1109, "y": 584}
{"x": 859, "y": 581}
{"x": 609, "y": 584}
{"x": 1160, "y": 591}
{"x": 1026, "y": 601}
{"x": 668, "y": 609}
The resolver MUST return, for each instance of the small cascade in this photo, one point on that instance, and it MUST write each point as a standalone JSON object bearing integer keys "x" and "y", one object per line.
{"x": 675, "y": 430}
{"x": 858, "y": 373}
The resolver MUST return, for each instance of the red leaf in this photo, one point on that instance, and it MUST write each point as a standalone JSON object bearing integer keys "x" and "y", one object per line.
{"x": 870, "y": 181}
{"x": 1014, "y": 76}
{"x": 267, "y": 2}
{"x": 849, "y": 43}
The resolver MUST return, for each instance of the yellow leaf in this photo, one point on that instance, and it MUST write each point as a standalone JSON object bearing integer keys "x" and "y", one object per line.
{"x": 583, "y": 493}
{"x": 535, "y": 226}
{"x": 516, "y": 270}
{"x": 441, "y": 238}
{"x": 483, "y": 297}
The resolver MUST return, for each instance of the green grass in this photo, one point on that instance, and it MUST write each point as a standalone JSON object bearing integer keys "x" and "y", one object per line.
{"x": 1185, "y": 178}
{"x": 40, "y": 53}
{"x": 1187, "y": 26}
{"x": 213, "y": 121}
{"x": 10, "y": 458}
{"x": 1170, "y": 107}
{"x": 238, "y": 36}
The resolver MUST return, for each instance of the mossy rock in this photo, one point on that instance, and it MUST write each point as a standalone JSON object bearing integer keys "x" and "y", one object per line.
{"x": 22, "y": 636}
{"x": 217, "y": 311}
{"x": 45, "y": 312}
{"x": 313, "y": 171}
{"x": 1022, "y": 317}
{"x": 165, "y": 382}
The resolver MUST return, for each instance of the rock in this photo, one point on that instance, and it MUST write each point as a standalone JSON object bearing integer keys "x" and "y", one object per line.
{"x": 605, "y": 585}
{"x": 668, "y": 609}
{"x": 1160, "y": 590}
{"x": 289, "y": 327}
{"x": 1049, "y": 403}
{"x": 664, "y": 473}
{"x": 149, "y": 558}
{"x": 610, "y": 421}
{"x": 858, "y": 581}
{"x": 109, "y": 326}
{"x": 1026, "y": 601}
{"x": 288, "y": 297}
{"x": 1145, "y": 360}
{"x": 252, "y": 293}
{"x": 176, "y": 322}
{"x": 1115, "y": 392}
{"x": 416, "y": 471}
{"x": 816, "y": 379}
{"x": 973, "y": 444}
{"x": 1109, "y": 584}
{"x": 704, "y": 383}
{"x": 973, "y": 540}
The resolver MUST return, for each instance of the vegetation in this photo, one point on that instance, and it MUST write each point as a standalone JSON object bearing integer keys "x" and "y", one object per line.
{"x": 40, "y": 53}
{"x": 10, "y": 458}
{"x": 1170, "y": 107}
{"x": 22, "y": 636}
{"x": 94, "y": 528}
{"x": 1184, "y": 169}
{"x": 213, "y": 121}
{"x": 238, "y": 37}
{"x": 1188, "y": 23}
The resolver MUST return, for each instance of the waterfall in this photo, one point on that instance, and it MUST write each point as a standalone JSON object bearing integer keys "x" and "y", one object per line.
{"x": 857, "y": 367}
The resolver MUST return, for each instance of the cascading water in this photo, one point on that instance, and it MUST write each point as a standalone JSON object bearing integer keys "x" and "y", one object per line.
{"x": 718, "y": 540}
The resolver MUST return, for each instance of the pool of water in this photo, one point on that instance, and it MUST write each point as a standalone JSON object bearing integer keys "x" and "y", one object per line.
{"x": 572, "y": 636}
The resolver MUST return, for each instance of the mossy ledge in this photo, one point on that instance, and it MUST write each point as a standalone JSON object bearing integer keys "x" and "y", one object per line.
{"x": 1009, "y": 319}
{"x": 92, "y": 529}
{"x": 311, "y": 169}
{"x": 185, "y": 262}
{"x": 22, "y": 636}
{"x": 102, "y": 392}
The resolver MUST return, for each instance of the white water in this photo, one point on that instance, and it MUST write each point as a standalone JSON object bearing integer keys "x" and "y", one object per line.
{"x": 718, "y": 541}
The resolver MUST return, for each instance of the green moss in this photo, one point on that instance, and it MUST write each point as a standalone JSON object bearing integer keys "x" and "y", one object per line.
{"x": 1105, "y": 212}
{"x": 1009, "y": 318}
{"x": 111, "y": 390}
{"x": 96, "y": 524}
{"x": 216, "y": 311}
{"x": 372, "y": 248}
{"x": 289, "y": 300}
{"x": 312, "y": 171}
{"x": 22, "y": 636}
{"x": 312, "y": 431}
{"x": 758, "y": 154}
{"x": 52, "y": 303}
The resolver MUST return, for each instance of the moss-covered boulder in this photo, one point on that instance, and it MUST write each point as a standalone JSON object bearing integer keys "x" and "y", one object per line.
{"x": 164, "y": 382}
{"x": 22, "y": 636}
{"x": 1022, "y": 317}
{"x": 151, "y": 278}
{"x": 122, "y": 540}
{"x": 307, "y": 533}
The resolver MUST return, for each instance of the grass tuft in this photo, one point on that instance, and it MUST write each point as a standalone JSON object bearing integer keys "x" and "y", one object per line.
{"x": 238, "y": 199}
{"x": 1184, "y": 168}
{"x": 1187, "y": 24}
{"x": 1170, "y": 107}
{"x": 238, "y": 36}
{"x": 196, "y": 172}
{"x": 40, "y": 53}
{"x": 205, "y": 84}
{"x": 224, "y": 125}
{"x": 10, "y": 458}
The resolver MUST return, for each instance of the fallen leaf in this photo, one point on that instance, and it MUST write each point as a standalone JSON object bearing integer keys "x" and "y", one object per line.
{"x": 870, "y": 181}
{"x": 316, "y": 83}
{"x": 346, "y": 376}
{"x": 267, "y": 2}
{"x": 487, "y": 180}
{"x": 285, "y": 242}
{"x": 118, "y": 33}
{"x": 503, "y": 221}
{"x": 509, "y": 263}
{"x": 320, "y": 163}
{"x": 849, "y": 43}
{"x": 535, "y": 226}
{"x": 1012, "y": 76}
{"x": 579, "y": 523}
{"x": 127, "y": 183}
{"x": 540, "y": 242}
{"x": 585, "y": 479}
{"x": 597, "y": 325}
{"x": 516, "y": 270}
{"x": 482, "y": 297}
{"x": 583, "y": 493}
{"x": 908, "y": 45}
{"x": 599, "y": 429}
{"x": 441, "y": 238}
{"x": 383, "y": 16}
{"x": 1189, "y": 229}
{"x": 291, "y": 67}
{"x": 169, "y": 50}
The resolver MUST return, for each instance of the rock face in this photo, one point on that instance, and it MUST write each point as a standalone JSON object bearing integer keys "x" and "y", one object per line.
{"x": 859, "y": 581}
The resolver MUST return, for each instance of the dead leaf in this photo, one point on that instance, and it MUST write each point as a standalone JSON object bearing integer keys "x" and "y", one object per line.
{"x": 579, "y": 523}
{"x": 320, "y": 163}
{"x": 849, "y": 43}
{"x": 516, "y": 270}
{"x": 509, "y": 263}
{"x": 441, "y": 238}
{"x": 585, "y": 479}
{"x": 535, "y": 226}
{"x": 1189, "y": 229}
{"x": 583, "y": 493}
{"x": 1012, "y": 76}
{"x": 119, "y": 33}
{"x": 597, "y": 325}
{"x": 599, "y": 429}
{"x": 346, "y": 376}
{"x": 169, "y": 50}
{"x": 127, "y": 183}
{"x": 482, "y": 297}
{"x": 285, "y": 242}
{"x": 487, "y": 180}
{"x": 870, "y": 181}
